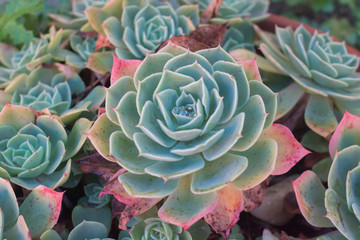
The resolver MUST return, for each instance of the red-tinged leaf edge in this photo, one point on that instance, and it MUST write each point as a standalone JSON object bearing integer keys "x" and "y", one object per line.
{"x": 290, "y": 151}
{"x": 123, "y": 67}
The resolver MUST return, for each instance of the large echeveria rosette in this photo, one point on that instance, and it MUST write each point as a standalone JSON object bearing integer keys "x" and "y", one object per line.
{"x": 145, "y": 24}
{"x": 196, "y": 121}
{"x": 37, "y": 151}
{"x": 320, "y": 67}
{"x": 339, "y": 204}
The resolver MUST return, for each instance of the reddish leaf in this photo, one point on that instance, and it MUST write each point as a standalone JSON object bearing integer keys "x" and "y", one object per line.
{"x": 290, "y": 150}
{"x": 132, "y": 210}
{"x": 102, "y": 42}
{"x": 254, "y": 196}
{"x": 115, "y": 188}
{"x": 185, "y": 42}
{"x": 251, "y": 69}
{"x": 227, "y": 211}
{"x": 123, "y": 67}
{"x": 347, "y": 133}
{"x": 212, "y": 35}
{"x": 96, "y": 164}
{"x": 211, "y": 10}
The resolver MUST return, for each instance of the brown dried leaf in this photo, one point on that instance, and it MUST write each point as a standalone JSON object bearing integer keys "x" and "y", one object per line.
{"x": 185, "y": 42}
{"x": 211, "y": 10}
{"x": 254, "y": 196}
{"x": 212, "y": 35}
{"x": 96, "y": 164}
{"x": 132, "y": 210}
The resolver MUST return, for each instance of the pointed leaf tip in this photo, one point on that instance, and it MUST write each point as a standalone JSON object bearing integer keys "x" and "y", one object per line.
{"x": 290, "y": 151}
{"x": 251, "y": 69}
{"x": 123, "y": 67}
{"x": 346, "y": 134}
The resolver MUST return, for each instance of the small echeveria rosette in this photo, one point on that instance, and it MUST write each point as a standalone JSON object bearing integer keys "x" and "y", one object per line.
{"x": 145, "y": 24}
{"x": 77, "y": 17}
{"x": 339, "y": 204}
{"x": 239, "y": 35}
{"x": 84, "y": 48}
{"x": 321, "y": 68}
{"x": 48, "y": 90}
{"x": 155, "y": 228}
{"x": 252, "y": 10}
{"x": 198, "y": 120}
{"x": 47, "y": 49}
{"x": 37, "y": 151}
{"x": 91, "y": 230}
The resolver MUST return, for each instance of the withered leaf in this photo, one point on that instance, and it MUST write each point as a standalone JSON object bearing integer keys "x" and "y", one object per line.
{"x": 185, "y": 42}
{"x": 211, "y": 10}
{"x": 254, "y": 196}
{"x": 132, "y": 210}
{"x": 96, "y": 164}
{"x": 212, "y": 35}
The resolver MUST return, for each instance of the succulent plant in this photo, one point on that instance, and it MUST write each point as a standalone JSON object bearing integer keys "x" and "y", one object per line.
{"x": 168, "y": 121}
{"x": 145, "y": 24}
{"x": 47, "y": 88}
{"x": 77, "y": 18}
{"x": 37, "y": 151}
{"x": 253, "y": 10}
{"x": 338, "y": 204}
{"x": 321, "y": 68}
{"x": 155, "y": 228}
{"x": 25, "y": 223}
{"x": 240, "y": 34}
{"x": 87, "y": 230}
{"x": 84, "y": 48}
{"x": 43, "y": 50}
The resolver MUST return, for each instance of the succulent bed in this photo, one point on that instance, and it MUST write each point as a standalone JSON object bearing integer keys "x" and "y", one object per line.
{"x": 175, "y": 120}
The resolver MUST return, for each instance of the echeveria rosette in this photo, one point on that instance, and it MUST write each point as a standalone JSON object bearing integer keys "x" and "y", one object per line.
{"x": 239, "y": 35}
{"x": 145, "y": 24}
{"x": 44, "y": 50}
{"x": 252, "y": 10}
{"x": 77, "y": 18}
{"x": 339, "y": 203}
{"x": 157, "y": 229}
{"x": 197, "y": 120}
{"x": 24, "y": 223}
{"x": 37, "y": 151}
{"x": 84, "y": 48}
{"x": 48, "y": 89}
{"x": 90, "y": 230}
{"x": 320, "y": 67}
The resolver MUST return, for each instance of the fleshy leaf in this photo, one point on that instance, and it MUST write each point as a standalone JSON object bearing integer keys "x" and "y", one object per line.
{"x": 310, "y": 195}
{"x": 47, "y": 203}
{"x": 227, "y": 211}
{"x": 185, "y": 208}
{"x": 289, "y": 151}
{"x": 123, "y": 67}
